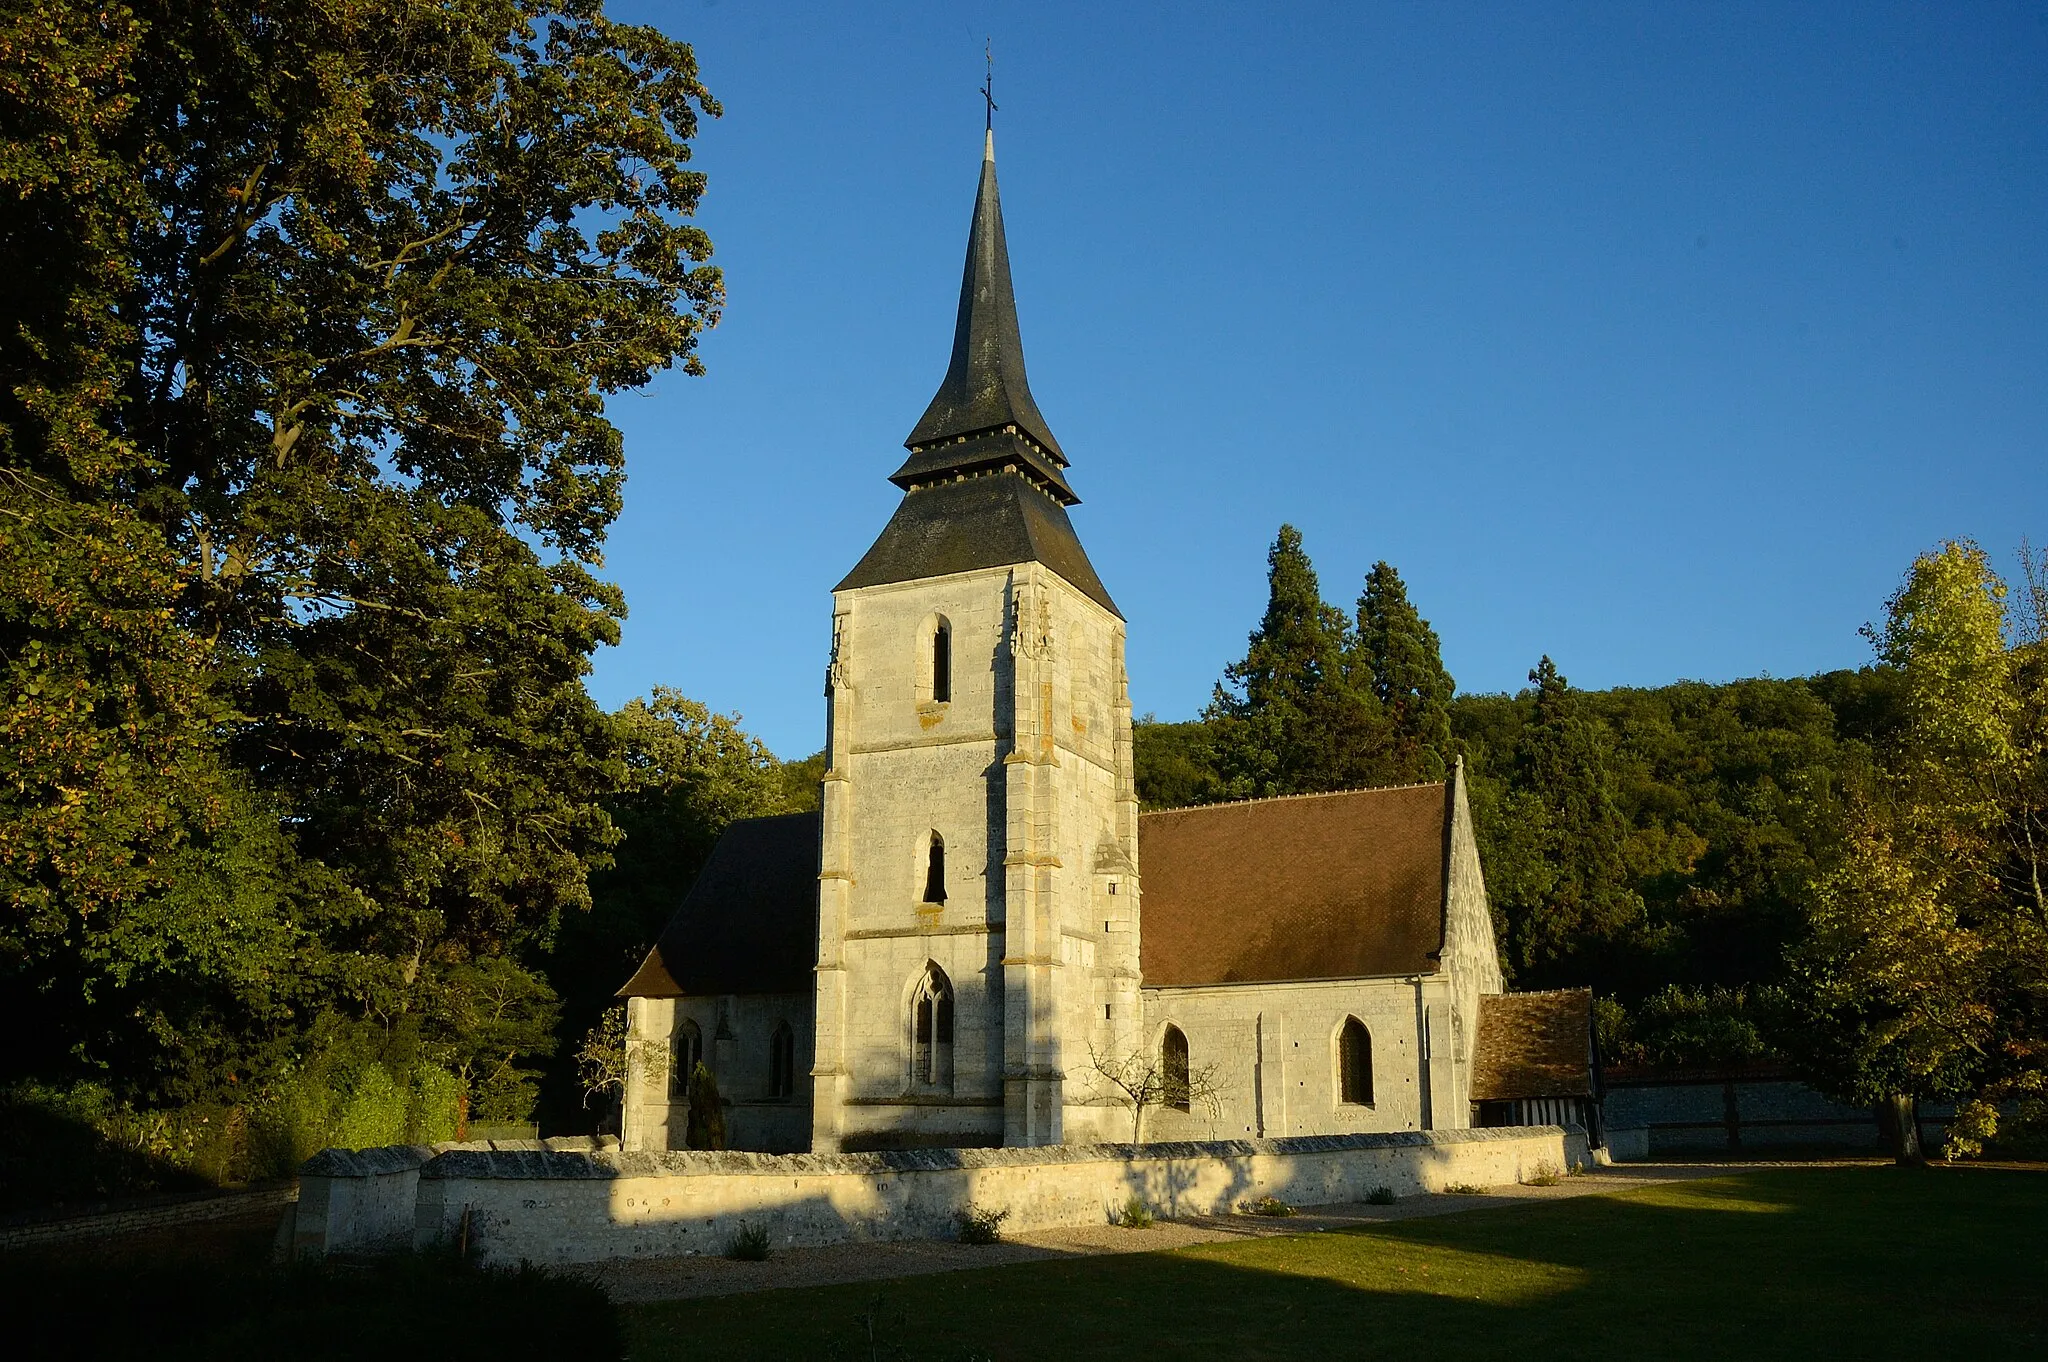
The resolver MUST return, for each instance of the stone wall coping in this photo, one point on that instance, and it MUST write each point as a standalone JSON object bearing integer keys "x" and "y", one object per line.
{"x": 367, "y": 1163}
{"x": 537, "y": 1163}
{"x": 404, "y": 1158}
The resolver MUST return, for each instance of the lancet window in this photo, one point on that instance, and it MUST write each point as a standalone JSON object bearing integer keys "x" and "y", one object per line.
{"x": 1354, "y": 1063}
{"x": 935, "y": 870}
{"x": 1173, "y": 1068}
{"x": 688, "y": 1052}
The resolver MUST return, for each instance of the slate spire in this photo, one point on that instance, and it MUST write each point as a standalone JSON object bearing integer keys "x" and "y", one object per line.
{"x": 983, "y": 418}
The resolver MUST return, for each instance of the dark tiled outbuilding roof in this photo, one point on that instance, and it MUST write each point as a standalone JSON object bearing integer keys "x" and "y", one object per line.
{"x": 1534, "y": 1045}
{"x": 750, "y": 922}
{"x": 1329, "y": 886}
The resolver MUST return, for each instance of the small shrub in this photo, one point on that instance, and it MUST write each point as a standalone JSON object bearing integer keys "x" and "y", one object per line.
{"x": 1380, "y": 1196}
{"x": 1268, "y": 1206}
{"x": 1135, "y": 1215}
{"x": 1464, "y": 1189}
{"x": 749, "y": 1244}
{"x": 981, "y": 1225}
{"x": 1546, "y": 1175}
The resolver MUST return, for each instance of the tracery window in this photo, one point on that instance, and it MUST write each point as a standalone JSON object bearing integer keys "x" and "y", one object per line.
{"x": 1354, "y": 1063}
{"x": 688, "y": 1052}
{"x": 1173, "y": 1068}
{"x": 931, "y": 1030}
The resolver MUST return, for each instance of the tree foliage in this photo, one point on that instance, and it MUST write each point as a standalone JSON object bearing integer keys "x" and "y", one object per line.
{"x": 304, "y": 475}
{"x": 1925, "y": 972}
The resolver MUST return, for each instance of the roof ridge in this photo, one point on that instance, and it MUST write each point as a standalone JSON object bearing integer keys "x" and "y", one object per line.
{"x": 1313, "y": 794}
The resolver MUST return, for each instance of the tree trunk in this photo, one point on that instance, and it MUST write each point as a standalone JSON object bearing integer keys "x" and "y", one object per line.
{"x": 1900, "y": 1119}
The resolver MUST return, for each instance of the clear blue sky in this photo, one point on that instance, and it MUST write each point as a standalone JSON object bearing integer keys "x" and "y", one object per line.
{"x": 1658, "y": 337}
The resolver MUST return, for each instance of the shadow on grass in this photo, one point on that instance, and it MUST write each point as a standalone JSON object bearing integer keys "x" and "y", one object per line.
{"x": 156, "y": 1301}
{"x": 1772, "y": 1263}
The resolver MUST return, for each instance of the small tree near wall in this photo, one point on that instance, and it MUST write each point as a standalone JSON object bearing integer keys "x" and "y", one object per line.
{"x": 1142, "y": 1080}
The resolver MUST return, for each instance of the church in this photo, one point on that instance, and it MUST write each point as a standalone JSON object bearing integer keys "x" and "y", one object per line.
{"x": 979, "y": 926}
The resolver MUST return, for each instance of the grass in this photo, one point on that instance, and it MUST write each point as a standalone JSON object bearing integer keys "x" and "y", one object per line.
{"x": 1771, "y": 1263}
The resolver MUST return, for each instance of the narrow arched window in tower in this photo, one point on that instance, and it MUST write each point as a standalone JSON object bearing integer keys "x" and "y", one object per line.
{"x": 782, "y": 1061}
{"x": 1354, "y": 1063}
{"x": 1173, "y": 1069}
{"x": 688, "y": 1051}
{"x": 931, "y": 1030}
{"x": 942, "y": 662}
{"x": 935, "y": 870}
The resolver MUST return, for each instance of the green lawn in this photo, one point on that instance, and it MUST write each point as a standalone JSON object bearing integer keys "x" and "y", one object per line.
{"x": 1794, "y": 1263}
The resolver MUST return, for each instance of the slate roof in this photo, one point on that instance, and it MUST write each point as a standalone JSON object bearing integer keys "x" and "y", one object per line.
{"x": 979, "y": 522}
{"x": 1534, "y": 1045}
{"x": 985, "y": 388}
{"x": 750, "y": 922}
{"x": 1329, "y": 886}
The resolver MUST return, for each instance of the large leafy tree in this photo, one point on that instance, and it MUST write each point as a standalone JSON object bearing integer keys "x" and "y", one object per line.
{"x": 1925, "y": 973}
{"x": 308, "y": 472}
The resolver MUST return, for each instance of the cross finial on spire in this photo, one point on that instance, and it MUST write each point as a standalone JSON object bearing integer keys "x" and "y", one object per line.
{"x": 988, "y": 84}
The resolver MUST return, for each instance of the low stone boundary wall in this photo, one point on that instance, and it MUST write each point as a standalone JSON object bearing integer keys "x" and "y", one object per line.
{"x": 363, "y": 1201}
{"x": 1648, "y": 1117}
{"x": 135, "y": 1217}
{"x": 545, "y": 1206}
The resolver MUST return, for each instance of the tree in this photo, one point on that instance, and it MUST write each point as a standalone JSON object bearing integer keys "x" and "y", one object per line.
{"x": 1142, "y": 1080}
{"x": 315, "y": 310}
{"x": 608, "y": 1062}
{"x": 1559, "y": 879}
{"x": 1400, "y": 659}
{"x": 1924, "y": 964}
{"x": 689, "y": 773}
{"x": 706, "y": 1125}
{"x": 1290, "y": 718}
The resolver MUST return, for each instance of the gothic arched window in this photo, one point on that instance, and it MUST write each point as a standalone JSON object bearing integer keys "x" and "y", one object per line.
{"x": 688, "y": 1052}
{"x": 935, "y": 870}
{"x": 931, "y": 1030}
{"x": 942, "y": 662}
{"x": 1354, "y": 1063}
{"x": 782, "y": 1061}
{"x": 1173, "y": 1068}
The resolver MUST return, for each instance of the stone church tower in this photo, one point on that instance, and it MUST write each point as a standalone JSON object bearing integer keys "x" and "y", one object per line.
{"x": 978, "y": 872}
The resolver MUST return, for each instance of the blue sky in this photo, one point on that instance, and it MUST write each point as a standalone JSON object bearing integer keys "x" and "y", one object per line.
{"x": 1658, "y": 337}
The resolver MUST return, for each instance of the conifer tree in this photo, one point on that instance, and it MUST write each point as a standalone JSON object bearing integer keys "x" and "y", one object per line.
{"x": 1289, "y": 718}
{"x": 1402, "y": 662}
{"x": 1562, "y": 884}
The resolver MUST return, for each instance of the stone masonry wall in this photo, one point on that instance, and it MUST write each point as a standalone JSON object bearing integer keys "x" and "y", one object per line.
{"x": 547, "y": 1207}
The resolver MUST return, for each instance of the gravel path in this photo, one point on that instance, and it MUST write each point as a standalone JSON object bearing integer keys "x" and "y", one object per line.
{"x": 659, "y": 1279}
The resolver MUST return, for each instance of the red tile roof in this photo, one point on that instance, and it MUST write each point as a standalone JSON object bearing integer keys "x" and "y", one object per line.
{"x": 1328, "y": 886}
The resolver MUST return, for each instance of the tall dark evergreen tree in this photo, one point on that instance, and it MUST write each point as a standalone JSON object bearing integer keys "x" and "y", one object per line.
{"x": 1561, "y": 880}
{"x": 1288, "y": 719}
{"x": 1402, "y": 662}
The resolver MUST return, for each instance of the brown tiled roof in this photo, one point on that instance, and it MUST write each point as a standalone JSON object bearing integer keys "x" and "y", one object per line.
{"x": 750, "y": 922}
{"x": 1331, "y": 886}
{"x": 1534, "y": 1045}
